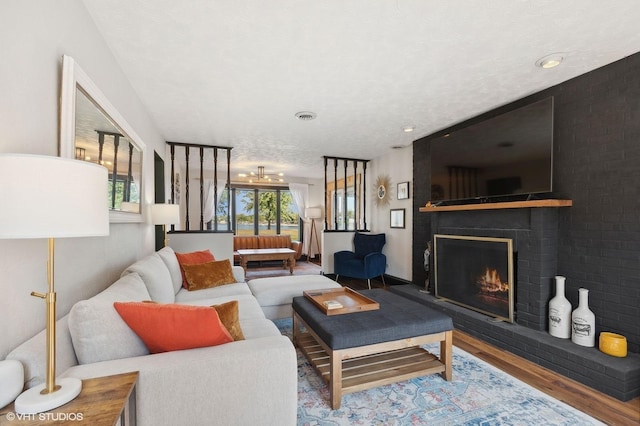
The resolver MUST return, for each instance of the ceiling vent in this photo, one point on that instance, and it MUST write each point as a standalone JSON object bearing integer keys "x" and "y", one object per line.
{"x": 305, "y": 115}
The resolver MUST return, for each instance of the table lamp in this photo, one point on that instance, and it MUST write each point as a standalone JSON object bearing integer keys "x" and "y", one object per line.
{"x": 313, "y": 213}
{"x": 165, "y": 214}
{"x": 51, "y": 197}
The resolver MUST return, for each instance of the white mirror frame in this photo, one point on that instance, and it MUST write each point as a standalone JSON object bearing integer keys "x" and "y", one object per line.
{"x": 73, "y": 77}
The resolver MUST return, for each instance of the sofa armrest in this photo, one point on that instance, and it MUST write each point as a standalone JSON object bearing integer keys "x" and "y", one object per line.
{"x": 246, "y": 382}
{"x": 238, "y": 273}
{"x": 297, "y": 247}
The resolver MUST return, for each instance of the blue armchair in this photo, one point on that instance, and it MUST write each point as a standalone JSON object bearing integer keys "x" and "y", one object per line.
{"x": 365, "y": 262}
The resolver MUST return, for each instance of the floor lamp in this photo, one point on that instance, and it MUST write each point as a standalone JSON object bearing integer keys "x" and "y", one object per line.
{"x": 51, "y": 197}
{"x": 313, "y": 213}
{"x": 165, "y": 214}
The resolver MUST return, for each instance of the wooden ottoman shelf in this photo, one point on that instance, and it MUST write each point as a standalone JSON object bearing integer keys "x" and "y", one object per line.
{"x": 372, "y": 360}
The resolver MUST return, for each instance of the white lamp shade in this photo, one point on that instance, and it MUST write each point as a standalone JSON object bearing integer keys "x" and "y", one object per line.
{"x": 52, "y": 197}
{"x": 165, "y": 214}
{"x": 313, "y": 212}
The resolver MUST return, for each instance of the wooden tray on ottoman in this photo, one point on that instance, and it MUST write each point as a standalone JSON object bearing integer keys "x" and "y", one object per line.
{"x": 351, "y": 300}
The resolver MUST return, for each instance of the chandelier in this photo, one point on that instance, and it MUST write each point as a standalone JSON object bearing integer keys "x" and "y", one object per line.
{"x": 261, "y": 176}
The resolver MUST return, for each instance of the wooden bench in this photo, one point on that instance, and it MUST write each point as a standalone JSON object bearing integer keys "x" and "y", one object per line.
{"x": 245, "y": 242}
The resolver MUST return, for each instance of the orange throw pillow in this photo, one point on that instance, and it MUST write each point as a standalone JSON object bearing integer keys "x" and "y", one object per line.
{"x": 208, "y": 274}
{"x": 171, "y": 327}
{"x": 228, "y": 313}
{"x": 191, "y": 258}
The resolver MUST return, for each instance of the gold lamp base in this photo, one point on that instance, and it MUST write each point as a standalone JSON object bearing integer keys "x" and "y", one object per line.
{"x": 50, "y": 394}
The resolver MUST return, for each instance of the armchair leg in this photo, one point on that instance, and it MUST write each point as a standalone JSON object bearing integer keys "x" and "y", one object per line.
{"x": 369, "y": 282}
{"x": 337, "y": 278}
{"x": 383, "y": 283}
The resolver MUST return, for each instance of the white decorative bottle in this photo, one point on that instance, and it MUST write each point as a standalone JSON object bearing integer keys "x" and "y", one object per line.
{"x": 560, "y": 312}
{"x": 583, "y": 322}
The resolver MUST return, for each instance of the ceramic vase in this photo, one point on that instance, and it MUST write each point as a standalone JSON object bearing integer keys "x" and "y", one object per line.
{"x": 560, "y": 312}
{"x": 583, "y": 322}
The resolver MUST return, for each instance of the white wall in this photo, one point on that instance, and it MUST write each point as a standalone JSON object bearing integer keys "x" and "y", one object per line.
{"x": 398, "y": 247}
{"x": 220, "y": 244}
{"x": 399, "y": 241}
{"x": 34, "y": 34}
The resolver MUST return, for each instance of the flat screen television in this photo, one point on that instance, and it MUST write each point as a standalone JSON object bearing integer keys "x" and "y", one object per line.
{"x": 509, "y": 156}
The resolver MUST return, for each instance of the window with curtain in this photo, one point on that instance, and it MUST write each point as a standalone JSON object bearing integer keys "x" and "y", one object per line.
{"x": 264, "y": 211}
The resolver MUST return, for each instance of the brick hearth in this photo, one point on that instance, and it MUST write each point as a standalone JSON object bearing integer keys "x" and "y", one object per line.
{"x": 534, "y": 232}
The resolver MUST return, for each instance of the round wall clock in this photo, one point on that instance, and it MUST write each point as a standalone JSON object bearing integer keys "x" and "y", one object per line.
{"x": 382, "y": 190}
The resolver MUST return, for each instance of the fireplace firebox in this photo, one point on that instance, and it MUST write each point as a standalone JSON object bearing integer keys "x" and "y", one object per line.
{"x": 477, "y": 273}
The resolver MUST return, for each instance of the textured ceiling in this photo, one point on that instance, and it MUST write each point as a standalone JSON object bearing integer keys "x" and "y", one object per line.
{"x": 234, "y": 73}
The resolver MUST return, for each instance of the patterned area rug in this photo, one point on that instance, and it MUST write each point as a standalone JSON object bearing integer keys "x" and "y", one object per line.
{"x": 479, "y": 394}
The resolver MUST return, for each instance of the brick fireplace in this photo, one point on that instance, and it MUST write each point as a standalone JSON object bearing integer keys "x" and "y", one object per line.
{"x": 534, "y": 232}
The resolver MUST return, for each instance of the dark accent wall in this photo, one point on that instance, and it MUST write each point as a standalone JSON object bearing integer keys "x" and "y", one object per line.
{"x": 597, "y": 165}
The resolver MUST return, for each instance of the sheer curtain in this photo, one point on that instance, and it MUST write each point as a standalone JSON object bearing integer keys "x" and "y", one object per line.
{"x": 300, "y": 195}
{"x": 209, "y": 202}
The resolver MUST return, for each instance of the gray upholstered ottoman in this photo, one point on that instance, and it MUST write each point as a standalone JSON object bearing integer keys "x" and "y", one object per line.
{"x": 361, "y": 350}
{"x": 275, "y": 294}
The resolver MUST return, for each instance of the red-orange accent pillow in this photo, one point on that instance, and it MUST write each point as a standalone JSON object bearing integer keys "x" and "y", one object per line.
{"x": 172, "y": 327}
{"x": 191, "y": 258}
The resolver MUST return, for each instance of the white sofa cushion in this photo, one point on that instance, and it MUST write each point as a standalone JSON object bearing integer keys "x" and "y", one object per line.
{"x": 33, "y": 356}
{"x": 281, "y": 290}
{"x": 98, "y": 332}
{"x": 186, "y": 296}
{"x": 156, "y": 277}
{"x": 248, "y": 307}
{"x": 169, "y": 258}
{"x": 257, "y": 328}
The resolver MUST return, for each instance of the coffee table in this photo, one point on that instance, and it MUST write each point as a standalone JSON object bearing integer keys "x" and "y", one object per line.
{"x": 362, "y": 350}
{"x": 284, "y": 254}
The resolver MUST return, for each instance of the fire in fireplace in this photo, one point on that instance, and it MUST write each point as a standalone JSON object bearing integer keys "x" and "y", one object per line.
{"x": 476, "y": 272}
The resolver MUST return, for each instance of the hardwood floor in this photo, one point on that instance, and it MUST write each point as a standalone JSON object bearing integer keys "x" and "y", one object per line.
{"x": 596, "y": 404}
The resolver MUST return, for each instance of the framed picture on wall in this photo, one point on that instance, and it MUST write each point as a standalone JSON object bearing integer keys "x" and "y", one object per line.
{"x": 403, "y": 190}
{"x": 397, "y": 218}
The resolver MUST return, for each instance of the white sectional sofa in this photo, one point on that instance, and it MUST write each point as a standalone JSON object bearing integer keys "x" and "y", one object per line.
{"x": 246, "y": 382}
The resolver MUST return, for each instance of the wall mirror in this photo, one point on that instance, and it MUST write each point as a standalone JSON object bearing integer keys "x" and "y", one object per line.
{"x": 91, "y": 129}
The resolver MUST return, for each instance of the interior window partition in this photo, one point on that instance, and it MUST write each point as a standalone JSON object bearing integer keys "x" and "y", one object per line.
{"x": 345, "y": 194}
{"x": 196, "y": 171}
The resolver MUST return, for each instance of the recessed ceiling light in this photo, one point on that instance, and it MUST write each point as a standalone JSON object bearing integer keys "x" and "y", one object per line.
{"x": 408, "y": 129}
{"x": 306, "y": 115}
{"x": 550, "y": 61}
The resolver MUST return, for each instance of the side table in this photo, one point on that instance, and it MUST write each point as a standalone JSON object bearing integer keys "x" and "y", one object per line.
{"x": 102, "y": 401}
